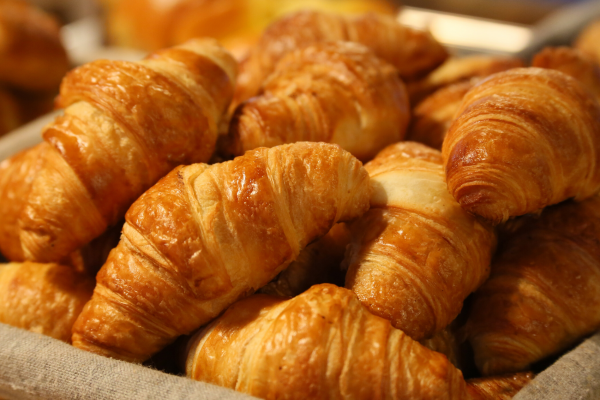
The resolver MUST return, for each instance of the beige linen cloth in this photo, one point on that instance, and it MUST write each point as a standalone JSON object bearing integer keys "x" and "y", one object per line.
{"x": 33, "y": 366}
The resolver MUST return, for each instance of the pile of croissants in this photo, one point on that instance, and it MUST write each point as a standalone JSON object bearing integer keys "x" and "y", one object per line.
{"x": 32, "y": 63}
{"x": 230, "y": 203}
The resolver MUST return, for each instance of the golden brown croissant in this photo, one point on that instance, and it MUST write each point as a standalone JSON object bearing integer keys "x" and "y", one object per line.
{"x": 412, "y": 52}
{"x": 320, "y": 345}
{"x": 205, "y": 236}
{"x": 588, "y": 40}
{"x": 335, "y": 92}
{"x": 511, "y": 151}
{"x": 125, "y": 126}
{"x": 456, "y": 70}
{"x": 31, "y": 51}
{"x": 43, "y": 298}
{"x": 573, "y": 63}
{"x": 318, "y": 263}
{"x": 433, "y": 116}
{"x": 416, "y": 254}
{"x": 498, "y": 387}
{"x": 544, "y": 291}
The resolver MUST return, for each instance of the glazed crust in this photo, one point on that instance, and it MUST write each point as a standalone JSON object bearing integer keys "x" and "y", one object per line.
{"x": 412, "y": 52}
{"x": 205, "y": 236}
{"x": 125, "y": 126}
{"x": 510, "y": 151}
{"x": 334, "y": 92}
{"x": 544, "y": 291}
{"x": 416, "y": 254}
{"x": 320, "y": 345}
{"x": 43, "y": 298}
{"x": 498, "y": 387}
{"x": 32, "y": 54}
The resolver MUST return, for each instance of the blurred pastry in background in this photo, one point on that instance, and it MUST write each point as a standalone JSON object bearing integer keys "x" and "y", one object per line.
{"x": 588, "y": 40}
{"x": 433, "y": 116}
{"x": 414, "y": 53}
{"x": 572, "y": 62}
{"x": 458, "y": 70}
{"x": 32, "y": 62}
{"x": 154, "y": 24}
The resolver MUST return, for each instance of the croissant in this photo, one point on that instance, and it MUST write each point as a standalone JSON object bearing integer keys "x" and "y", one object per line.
{"x": 573, "y": 63}
{"x": 320, "y": 345}
{"x": 43, "y": 298}
{"x": 205, "y": 236}
{"x": 587, "y": 41}
{"x": 416, "y": 254}
{"x": 456, "y": 70}
{"x": 412, "y": 52}
{"x": 544, "y": 291}
{"x": 498, "y": 387}
{"x": 433, "y": 116}
{"x": 318, "y": 263}
{"x": 336, "y": 92}
{"x": 32, "y": 54}
{"x": 125, "y": 126}
{"x": 510, "y": 151}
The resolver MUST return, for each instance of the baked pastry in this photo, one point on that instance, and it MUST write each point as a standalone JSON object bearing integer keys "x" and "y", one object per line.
{"x": 412, "y": 52}
{"x": 503, "y": 387}
{"x": 320, "y": 345}
{"x": 319, "y": 262}
{"x": 32, "y": 54}
{"x": 588, "y": 40}
{"x": 416, "y": 254}
{"x": 456, "y": 70}
{"x": 125, "y": 126}
{"x": 511, "y": 152}
{"x": 43, "y": 298}
{"x": 206, "y": 236}
{"x": 573, "y": 63}
{"x": 544, "y": 291}
{"x": 433, "y": 116}
{"x": 232, "y": 22}
{"x": 334, "y": 92}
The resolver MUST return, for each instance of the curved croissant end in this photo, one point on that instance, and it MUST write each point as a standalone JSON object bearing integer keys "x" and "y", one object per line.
{"x": 43, "y": 298}
{"x": 126, "y": 124}
{"x": 205, "y": 236}
{"x": 510, "y": 151}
